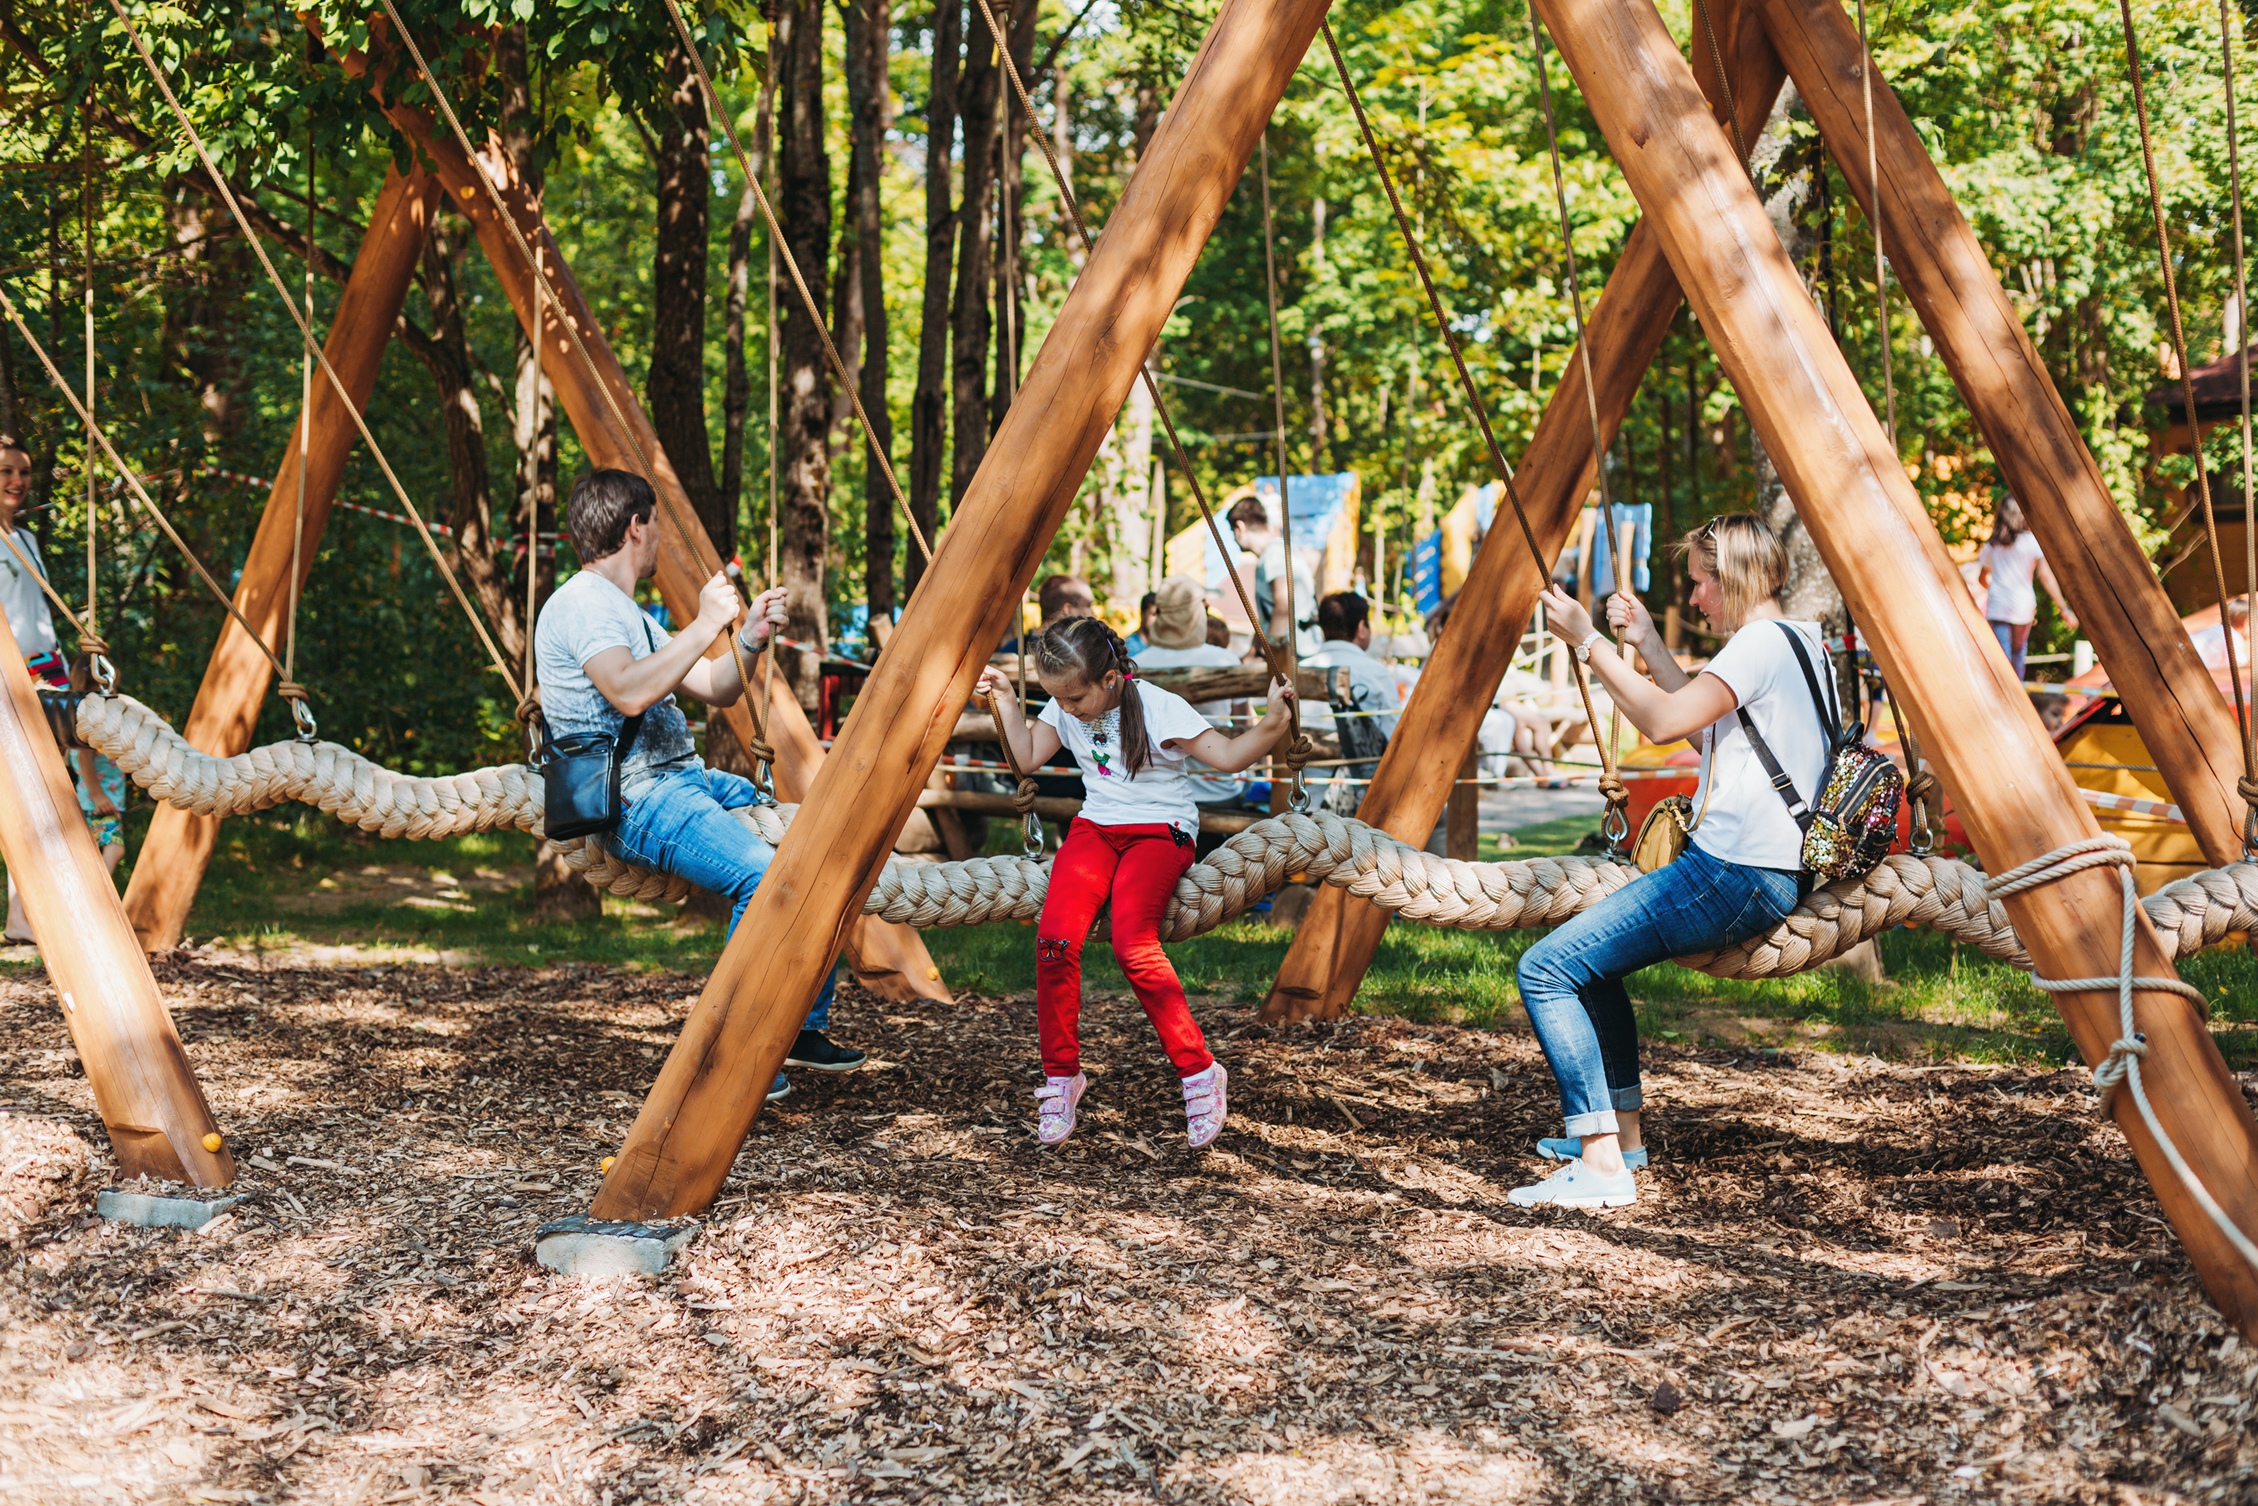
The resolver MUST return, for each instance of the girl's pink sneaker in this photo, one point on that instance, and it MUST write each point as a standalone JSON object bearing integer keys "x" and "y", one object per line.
{"x": 1203, "y": 1105}
{"x": 1058, "y": 1096}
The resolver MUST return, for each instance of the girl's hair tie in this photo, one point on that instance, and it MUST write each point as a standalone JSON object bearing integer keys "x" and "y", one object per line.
{"x": 1128, "y": 671}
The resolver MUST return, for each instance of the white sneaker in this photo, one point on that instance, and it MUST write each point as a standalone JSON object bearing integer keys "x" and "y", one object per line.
{"x": 1578, "y": 1186}
{"x": 1058, "y": 1097}
{"x": 1204, "y": 1107}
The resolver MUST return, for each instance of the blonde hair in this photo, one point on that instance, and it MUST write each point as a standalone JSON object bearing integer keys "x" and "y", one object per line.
{"x": 1744, "y": 556}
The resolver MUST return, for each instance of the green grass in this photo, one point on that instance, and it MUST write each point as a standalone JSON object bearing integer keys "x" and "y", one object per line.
{"x": 265, "y": 893}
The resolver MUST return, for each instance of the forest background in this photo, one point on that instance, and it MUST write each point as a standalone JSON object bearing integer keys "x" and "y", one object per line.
{"x": 925, "y": 221}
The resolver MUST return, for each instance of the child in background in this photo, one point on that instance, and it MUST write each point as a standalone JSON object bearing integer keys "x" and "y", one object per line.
{"x": 1129, "y": 845}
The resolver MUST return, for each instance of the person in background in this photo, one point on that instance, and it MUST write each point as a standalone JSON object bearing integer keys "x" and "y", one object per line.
{"x": 1344, "y": 623}
{"x": 1058, "y": 597}
{"x": 1219, "y": 634}
{"x": 1142, "y": 639}
{"x": 2211, "y": 642}
{"x": 1177, "y": 627}
{"x": 2007, "y": 562}
{"x": 100, "y": 783}
{"x": 1260, "y": 537}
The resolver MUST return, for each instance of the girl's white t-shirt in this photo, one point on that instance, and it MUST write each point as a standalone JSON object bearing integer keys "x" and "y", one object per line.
{"x": 1745, "y": 820}
{"x": 1160, "y": 792}
{"x": 2012, "y": 599}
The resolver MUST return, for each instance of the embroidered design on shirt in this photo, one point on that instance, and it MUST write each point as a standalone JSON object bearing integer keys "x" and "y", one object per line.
{"x": 1101, "y": 734}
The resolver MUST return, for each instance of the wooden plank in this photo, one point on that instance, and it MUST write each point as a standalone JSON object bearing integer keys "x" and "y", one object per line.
{"x": 711, "y": 1086}
{"x": 1933, "y": 252}
{"x": 1338, "y": 938}
{"x": 888, "y": 958}
{"x": 148, "y": 1098}
{"x": 2014, "y": 795}
{"x": 1462, "y": 814}
{"x": 170, "y": 866}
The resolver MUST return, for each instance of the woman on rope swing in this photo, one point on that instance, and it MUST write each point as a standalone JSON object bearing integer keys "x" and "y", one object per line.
{"x": 1742, "y": 868}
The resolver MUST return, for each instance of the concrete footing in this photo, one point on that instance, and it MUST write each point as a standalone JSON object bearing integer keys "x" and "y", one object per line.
{"x": 584, "y": 1246}
{"x": 161, "y": 1211}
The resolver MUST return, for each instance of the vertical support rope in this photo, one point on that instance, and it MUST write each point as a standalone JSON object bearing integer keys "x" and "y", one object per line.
{"x": 533, "y": 519}
{"x": 90, "y": 635}
{"x": 1300, "y": 793}
{"x": 289, "y": 689}
{"x": 2247, "y": 787}
{"x": 768, "y": 167}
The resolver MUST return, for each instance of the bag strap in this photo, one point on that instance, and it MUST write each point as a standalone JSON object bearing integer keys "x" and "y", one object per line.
{"x": 1830, "y": 720}
{"x": 629, "y": 730}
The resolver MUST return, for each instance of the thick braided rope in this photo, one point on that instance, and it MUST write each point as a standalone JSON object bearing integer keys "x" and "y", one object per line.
{"x": 2121, "y": 1067}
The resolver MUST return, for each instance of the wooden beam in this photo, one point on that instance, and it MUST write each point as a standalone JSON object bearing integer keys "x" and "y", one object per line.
{"x": 143, "y": 1089}
{"x": 888, "y": 958}
{"x": 2121, "y": 607}
{"x": 170, "y": 866}
{"x": 2013, "y": 793}
{"x": 1339, "y": 936}
{"x": 691, "y": 1126}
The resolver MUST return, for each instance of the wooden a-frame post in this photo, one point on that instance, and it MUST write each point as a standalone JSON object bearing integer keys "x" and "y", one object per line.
{"x": 2014, "y": 796}
{"x": 1339, "y": 935}
{"x": 711, "y": 1086}
{"x": 889, "y": 958}
{"x": 145, "y": 1092}
{"x": 171, "y": 863}
{"x": 2154, "y": 668}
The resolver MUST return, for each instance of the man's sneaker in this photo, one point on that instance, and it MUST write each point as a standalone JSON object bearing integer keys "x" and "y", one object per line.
{"x": 1058, "y": 1097}
{"x": 1578, "y": 1186}
{"x": 1204, "y": 1108}
{"x": 818, "y": 1052}
{"x": 779, "y": 1089}
{"x": 1569, "y": 1150}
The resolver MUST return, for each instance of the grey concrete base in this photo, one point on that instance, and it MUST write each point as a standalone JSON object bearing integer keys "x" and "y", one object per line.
{"x": 156, "y": 1211}
{"x": 584, "y": 1246}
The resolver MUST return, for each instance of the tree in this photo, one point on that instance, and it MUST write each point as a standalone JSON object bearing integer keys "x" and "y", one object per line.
{"x": 804, "y": 425}
{"x": 676, "y": 386}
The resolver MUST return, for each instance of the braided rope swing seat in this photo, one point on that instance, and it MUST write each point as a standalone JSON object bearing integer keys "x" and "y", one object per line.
{"x": 1940, "y": 894}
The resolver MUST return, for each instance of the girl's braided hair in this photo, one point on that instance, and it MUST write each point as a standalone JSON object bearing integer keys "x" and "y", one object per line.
{"x": 1084, "y": 647}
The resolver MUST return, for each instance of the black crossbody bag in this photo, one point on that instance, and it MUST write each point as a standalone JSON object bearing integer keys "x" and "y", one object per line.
{"x": 580, "y": 777}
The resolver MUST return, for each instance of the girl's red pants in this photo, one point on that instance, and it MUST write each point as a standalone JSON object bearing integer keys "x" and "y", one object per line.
{"x": 1136, "y": 867}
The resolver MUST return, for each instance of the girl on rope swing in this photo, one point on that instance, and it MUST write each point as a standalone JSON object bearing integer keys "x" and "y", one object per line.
{"x": 1742, "y": 868}
{"x": 1128, "y": 847}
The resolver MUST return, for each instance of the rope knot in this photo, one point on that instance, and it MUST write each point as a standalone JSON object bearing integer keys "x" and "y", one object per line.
{"x": 1611, "y": 786}
{"x": 2114, "y": 1068}
{"x": 90, "y": 642}
{"x": 2247, "y": 788}
{"x": 1920, "y": 785}
{"x": 1023, "y": 797}
{"x": 291, "y": 690}
{"x": 528, "y": 707}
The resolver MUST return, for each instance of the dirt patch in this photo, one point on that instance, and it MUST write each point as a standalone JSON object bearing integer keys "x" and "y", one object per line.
{"x": 1847, "y": 1281}
{"x": 396, "y": 885}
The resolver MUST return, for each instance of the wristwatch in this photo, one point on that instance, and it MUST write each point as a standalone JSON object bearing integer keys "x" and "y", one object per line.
{"x": 1584, "y": 649}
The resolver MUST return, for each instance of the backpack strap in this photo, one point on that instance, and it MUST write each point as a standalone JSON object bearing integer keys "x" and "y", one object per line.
{"x": 1830, "y": 720}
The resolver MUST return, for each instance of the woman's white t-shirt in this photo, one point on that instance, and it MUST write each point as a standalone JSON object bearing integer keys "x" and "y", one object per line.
{"x": 21, "y": 598}
{"x": 2012, "y": 599}
{"x": 1746, "y": 821}
{"x": 1160, "y": 792}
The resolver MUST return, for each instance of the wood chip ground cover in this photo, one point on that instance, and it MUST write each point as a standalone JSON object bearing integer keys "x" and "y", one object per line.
{"x": 1848, "y": 1281}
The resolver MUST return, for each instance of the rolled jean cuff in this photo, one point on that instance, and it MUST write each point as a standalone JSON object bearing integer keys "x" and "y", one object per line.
{"x": 1629, "y": 1100}
{"x": 1598, "y": 1122}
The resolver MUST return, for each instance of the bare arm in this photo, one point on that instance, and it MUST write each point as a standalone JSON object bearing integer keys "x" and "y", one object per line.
{"x": 1634, "y": 629}
{"x": 716, "y": 681}
{"x": 1665, "y": 716}
{"x": 1230, "y": 755}
{"x": 2054, "y": 589}
{"x": 1031, "y": 743}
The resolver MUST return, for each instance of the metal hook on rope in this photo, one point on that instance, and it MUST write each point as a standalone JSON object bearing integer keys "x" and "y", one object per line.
{"x": 301, "y": 710}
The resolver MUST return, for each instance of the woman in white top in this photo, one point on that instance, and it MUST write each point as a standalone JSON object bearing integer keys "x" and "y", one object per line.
{"x": 2005, "y": 566}
{"x": 1740, "y": 874}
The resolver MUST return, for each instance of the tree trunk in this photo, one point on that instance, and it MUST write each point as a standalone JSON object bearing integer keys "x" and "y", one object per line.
{"x": 1011, "y": 282}
{"x": 676, "y": 386}
{"x": 869, "y": 99}
{"x": 445, "y": 353}
{"x": 846, "y": 281}
{"x": 929, "y": 409}
{"x": 737, "y": 381}
{"x": 804, "y": 455}
{"x": 969, "y": 321}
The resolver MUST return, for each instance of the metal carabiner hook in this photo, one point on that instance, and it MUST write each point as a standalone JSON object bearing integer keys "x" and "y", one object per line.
{"x": 1615, "y": 827}
{"x": 1031, "y": 835}
{"x": 308, "y": 729}
{"x": 1297, "y": 794}
{"x": 104, "y": 673}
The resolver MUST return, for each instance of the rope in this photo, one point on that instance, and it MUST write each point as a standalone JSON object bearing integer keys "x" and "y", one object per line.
{"x": 2120, "y": 1069}
{"x": 292, "y": 693}
{"x": 90, "y": 639}
{"x": 1610, "y": 785}
{"x": 1023, "y": 790}
{"x": 313, "y": 348}
{"x": 1724, "y": 81}
{"x": 1297, "y": 756}
{"x": 2187, "y": 396}
{"x": 2242, "y": 372}
{"x": 719, "y": 115}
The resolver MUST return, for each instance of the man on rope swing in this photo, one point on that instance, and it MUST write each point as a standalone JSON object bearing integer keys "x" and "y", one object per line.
{"x": 602, "y": 660}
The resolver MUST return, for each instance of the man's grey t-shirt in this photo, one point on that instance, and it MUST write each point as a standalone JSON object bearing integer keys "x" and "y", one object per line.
{"x": 587, "y": 615}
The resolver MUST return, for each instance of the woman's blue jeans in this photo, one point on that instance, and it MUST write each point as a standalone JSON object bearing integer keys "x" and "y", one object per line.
{"x": 680, "y": 824}
{"x": 1572, "y": 979}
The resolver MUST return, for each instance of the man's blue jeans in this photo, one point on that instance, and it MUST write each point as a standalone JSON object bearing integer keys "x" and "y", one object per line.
{"x": 680, "y": 824}
{"x": 1572, "y": 979}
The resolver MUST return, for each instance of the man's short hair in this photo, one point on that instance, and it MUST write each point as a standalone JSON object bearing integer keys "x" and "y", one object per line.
{"x": 1341, "y": 614}
{"x": 1248, "y": 512}
{"x": 603, "y": 503}
{"x": 1148, "y": 601}
{"x": 1058, "y": 592}
{"x": 1218, "y": 632}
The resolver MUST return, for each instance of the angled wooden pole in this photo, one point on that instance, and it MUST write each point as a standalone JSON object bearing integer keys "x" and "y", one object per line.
{"x": 2013, "y": 793}
{"x": 148, "y": 1098}
{"x": 2121, "y": 606}
{"x": 888, "y": 958}
{"x": 1338, "y": 937}
{"x": 710, "y": 1088}
{"x": 171, "y": 863}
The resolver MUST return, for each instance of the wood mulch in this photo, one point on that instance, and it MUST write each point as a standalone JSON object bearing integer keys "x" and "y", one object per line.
{"x": 1848, "y": 1281}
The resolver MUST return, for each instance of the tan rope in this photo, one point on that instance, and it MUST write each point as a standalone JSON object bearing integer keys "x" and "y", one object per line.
{"x": 2247, "y": 787}
{"x": 1296, "y": 757}
{"x": 313, "y": 347}
{"x": 290, "y": 690}
{"x": 1611, "y": 782}
{"x": 90, "y": 639}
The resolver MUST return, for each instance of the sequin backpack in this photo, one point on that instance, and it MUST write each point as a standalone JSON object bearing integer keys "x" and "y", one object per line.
{"x": 1849, "y": 826}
